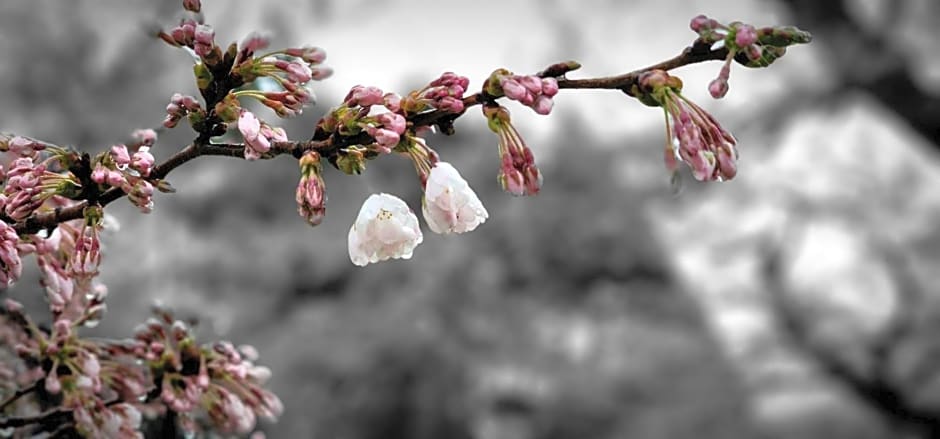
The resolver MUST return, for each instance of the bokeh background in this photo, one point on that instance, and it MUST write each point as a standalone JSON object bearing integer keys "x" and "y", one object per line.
{"x": 796, "y": 301}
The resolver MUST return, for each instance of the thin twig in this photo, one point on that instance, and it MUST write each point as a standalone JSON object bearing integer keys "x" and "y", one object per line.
{"x": 16, "y": 395}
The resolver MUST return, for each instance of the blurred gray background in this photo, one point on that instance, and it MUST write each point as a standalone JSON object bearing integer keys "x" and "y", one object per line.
{"x": 796, "y": 301}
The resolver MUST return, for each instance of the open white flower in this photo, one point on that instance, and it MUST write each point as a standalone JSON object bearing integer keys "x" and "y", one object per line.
{"x": 449, "y": 204}
{"x": 385, "y": 229}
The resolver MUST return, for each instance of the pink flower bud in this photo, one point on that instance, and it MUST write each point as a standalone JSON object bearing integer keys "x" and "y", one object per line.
{"x": 392, "y": 101}
{"x": 142, "y": 161}
{"x": 513, "y": 89}
{"x": 745, "y": 35}
{"x": 393, "y": 121}
{"x": 549, "y": 86}
{"x": 253, "y": 43}
{"x": 248, "y": 125}
{"x": 718, "y": 88}
{"x": 99, "y": 174}
{"x": 53, "y": 384}
{"x": 320, "y": 73}
{"x": 364, "y": 96}
{"x": 192, "y": 5}
{"x": 120, "y": 155}
{"x": 386, "y": 139}
{"x": 543, "y": 105}
{"x": 204, "y": 34}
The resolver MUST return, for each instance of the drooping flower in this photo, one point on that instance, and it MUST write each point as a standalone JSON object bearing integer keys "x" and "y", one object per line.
{"x": 518, "y": 173}
{"x": 449, "y": 204}
{"x": 693, "y": 135}
{"x": 311, "y": 191}
{"x": 385, "y": 228}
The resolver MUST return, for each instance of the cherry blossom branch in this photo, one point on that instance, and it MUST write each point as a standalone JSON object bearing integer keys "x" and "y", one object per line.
{"x": 697, "y": 53}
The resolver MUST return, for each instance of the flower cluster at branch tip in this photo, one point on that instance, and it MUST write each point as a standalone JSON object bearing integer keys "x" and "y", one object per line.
{"x": 129, "y": 171}
{"x": 449, "y": 204}
{"x": 444, "y": 93}
{"x": 530, "y": 90}
{"x": 311, "y": 190}
{"x": 748, "y": 45}
{"x": 179, "y": 107}
{"x": 692, "y": 135}
{"x": 385, "y": 228}
{"x": 219, "y": 379}
{"x": 518, "y": 173}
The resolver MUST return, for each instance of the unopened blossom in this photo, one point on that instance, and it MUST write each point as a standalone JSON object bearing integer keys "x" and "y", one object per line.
{"x": 385, "y": 228}
{"x": 311, "y": 190}
{"x": 120, "y": 155}
{"x": 518, "y": 173}
{"x": 24, "y": 189}
{"x": 364, "y": 96}
{"x": 11, "y": 267}
{"x": 203, "y": 40}
{"x": 179, "y": 106}
{"x": 139, "y": 193}
{"x": 21, "y": 146}
{"x": 310, "y": 54}
{"x": 388, "y": 131}
{"x": 192, "y": 5}
{"x": 449, "y": 204}
{"x": 142, "y": 161}
{"x": 695, "y": 137}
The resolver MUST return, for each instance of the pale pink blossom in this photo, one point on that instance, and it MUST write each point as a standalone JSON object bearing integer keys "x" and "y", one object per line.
{"x": 142, "y": 161}
{"x": 386, "y": 228}
{"x": 449, "y": 204}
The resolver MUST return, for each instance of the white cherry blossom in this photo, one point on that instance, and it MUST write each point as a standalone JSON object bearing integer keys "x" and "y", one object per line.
{"x": 386, "y": 228}
{"x": 449, "y": 204}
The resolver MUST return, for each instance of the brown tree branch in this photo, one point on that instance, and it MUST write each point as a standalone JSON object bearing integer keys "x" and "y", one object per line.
{"x": 46, "y": 220}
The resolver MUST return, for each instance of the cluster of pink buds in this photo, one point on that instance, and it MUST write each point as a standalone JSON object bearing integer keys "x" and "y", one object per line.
{"x": 311, "y": 190}
{"x": 291, "y": 68}
{"x": 129, "y": 171}
{"x": 191, "y": 33}
{"x": 179, "y": 106}
{"x": 444, "y": 93}
{"x": 386, "y": 129}
{"x": 352, "y": 118}
{"x": 529, "y": 90}
{"x": 695, "y": 137}
{"x": 28, "y": 185}
{"x": 518, "y": 173}
{"x": 20, "y": 146}
{"x": 759, "y": 47}
{"x": 218, "y": 380}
